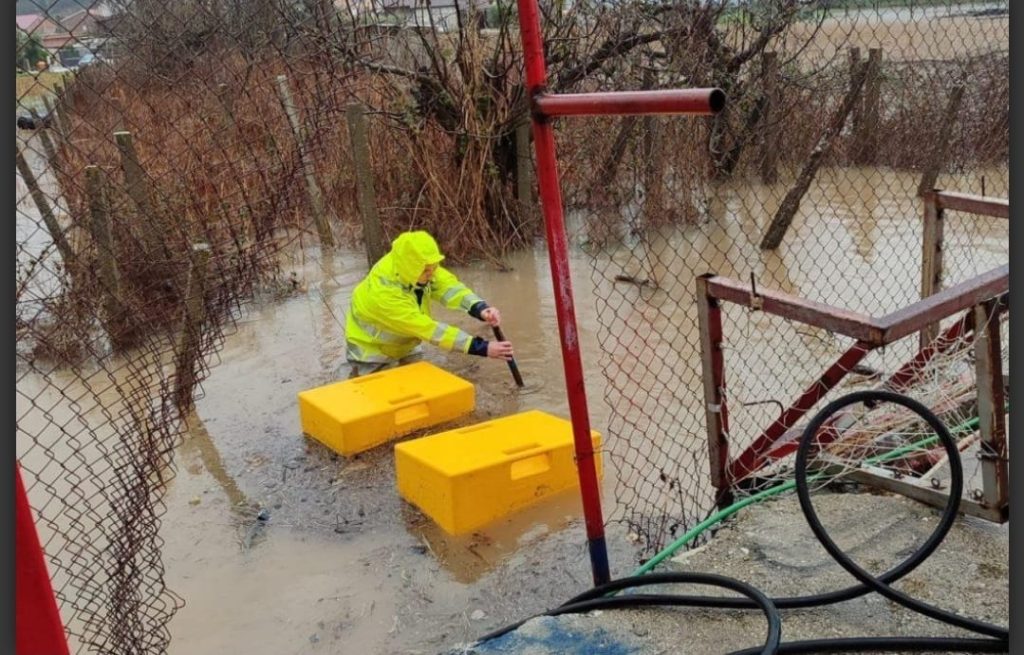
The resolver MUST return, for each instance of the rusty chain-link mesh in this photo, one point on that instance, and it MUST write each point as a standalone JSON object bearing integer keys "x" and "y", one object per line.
{"x": 675, "y": 198}
{"x": 171, "y": 152}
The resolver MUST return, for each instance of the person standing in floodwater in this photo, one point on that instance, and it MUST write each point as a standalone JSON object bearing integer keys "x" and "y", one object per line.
{"x": 390, "y": 313}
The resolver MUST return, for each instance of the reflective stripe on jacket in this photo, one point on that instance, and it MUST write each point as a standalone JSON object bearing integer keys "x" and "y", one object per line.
{"x": 384, "y": 321}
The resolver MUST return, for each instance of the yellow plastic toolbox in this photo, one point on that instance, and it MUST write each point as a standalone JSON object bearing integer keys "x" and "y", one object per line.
{"x": 468, "y": 477}
{"x": 355, "y": 415}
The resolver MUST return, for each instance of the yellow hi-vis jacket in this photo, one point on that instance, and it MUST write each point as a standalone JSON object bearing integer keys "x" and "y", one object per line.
{"x": 385, "y": 321}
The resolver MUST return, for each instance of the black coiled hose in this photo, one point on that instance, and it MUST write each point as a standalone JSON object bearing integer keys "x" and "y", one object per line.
{"x": 996, "y": 638}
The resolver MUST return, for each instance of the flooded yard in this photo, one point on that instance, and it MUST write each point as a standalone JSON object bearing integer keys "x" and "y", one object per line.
{"x": 277, "y": 545}
{"x": 342, "y": 564}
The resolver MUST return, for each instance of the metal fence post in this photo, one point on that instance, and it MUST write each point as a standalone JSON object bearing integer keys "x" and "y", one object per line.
{"x": 991, "y": 404}
{"x": 709, "y": 320}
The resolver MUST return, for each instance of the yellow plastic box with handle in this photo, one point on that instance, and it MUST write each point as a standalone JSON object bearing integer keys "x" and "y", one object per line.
{"x": 355, "y": 415}
{"x": 466, "y": 478}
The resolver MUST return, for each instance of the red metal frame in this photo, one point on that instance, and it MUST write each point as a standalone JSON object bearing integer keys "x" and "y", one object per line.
{"x": 752, "y": 459}
{"x": 544, "y": 107}
{"x": 37, "y": 625}
{"x": 870, "y": 332}
{"x": 967, "y": 202}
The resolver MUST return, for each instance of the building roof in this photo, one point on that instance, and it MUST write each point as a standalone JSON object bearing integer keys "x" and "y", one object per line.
{"x": 424, "y": 4}
{"x": 28, "y": 22}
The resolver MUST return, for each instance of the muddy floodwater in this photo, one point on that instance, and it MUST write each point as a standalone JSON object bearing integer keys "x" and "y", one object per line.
{"x": 343, "y": 565}
{"x": 280, "y": 546}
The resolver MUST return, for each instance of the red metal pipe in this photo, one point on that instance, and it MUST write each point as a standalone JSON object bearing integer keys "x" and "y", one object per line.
{"x": 697, "y": 102}
{"x": 558, "y": 253}
{"x": 753, "y": 458}
{"x": 37, "y": 626}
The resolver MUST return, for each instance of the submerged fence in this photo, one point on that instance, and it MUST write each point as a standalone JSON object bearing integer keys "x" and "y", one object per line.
{"x": 169, "y": 152}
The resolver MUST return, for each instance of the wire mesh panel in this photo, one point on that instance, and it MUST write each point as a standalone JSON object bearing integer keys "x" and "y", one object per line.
{"x": 837, "y": 119}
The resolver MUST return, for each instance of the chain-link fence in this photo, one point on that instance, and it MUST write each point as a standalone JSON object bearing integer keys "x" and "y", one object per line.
{"x": 835, "y": 122}
{"x": 168, "y": 152}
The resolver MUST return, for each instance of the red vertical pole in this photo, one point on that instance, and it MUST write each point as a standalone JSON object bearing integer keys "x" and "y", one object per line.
{"x": 37, "y": 626}
{"x": 558, "y": 253}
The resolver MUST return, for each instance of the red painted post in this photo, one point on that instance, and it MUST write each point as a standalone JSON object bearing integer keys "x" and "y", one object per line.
{"x": 709, "y": 323}
{"x": 551, "y": 202}
{"x": 37, "y": 626}
{"x": 544, "y": 107}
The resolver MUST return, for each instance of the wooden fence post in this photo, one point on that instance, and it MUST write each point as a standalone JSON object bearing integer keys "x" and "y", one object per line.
{"x": 931, "y": 257}
{"x": 772, "y": 114}
{"x": 651, "y": 148}
{"x": 151, "y": 222}
{"x": 941, "y": 146}
{"x": 866, "y": 130}
{"x": 190, "y": 337}
{"x": 103, "y": 237}
{"x": 373, "y": 233}
{"x": 67, "y": 254}
{"x": 316, "y": 202}
{"x": 787, "y": 209}
{"x": 524, "y": 174}
{"x": 57, "y": 117}
{"x": 857, "y": 114}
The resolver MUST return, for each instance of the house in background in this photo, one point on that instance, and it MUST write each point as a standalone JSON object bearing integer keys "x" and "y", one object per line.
{"x": 40, "y": 28}
{"x": 67, "y": 38}
{"x": 441, "y": 15}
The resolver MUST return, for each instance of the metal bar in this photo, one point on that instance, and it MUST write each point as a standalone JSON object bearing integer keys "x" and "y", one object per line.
{"x": 754, "y": 456}
{"x": 709, "y": 319}
{"x": 991, "y": 404}
{"x": 931, "y": 259}
{"x": 967, "y": 202}
{"x": 945, "y": 303}
{"x": 512, "y": 365}
{"x": 907, "y": 374}
{"x": 882, "y": 480}
{"x": 551, "y": 202}
{"x": 851, "y": 324}
{"x": 695, "y": 102}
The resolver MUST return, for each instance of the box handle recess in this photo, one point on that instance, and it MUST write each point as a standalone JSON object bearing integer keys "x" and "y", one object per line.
{"x": 409, "y": 408}
{"x": 529, "y": 466}
{"x": 526, "y": 461}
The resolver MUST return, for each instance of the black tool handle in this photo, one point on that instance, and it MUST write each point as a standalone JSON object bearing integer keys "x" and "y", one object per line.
{"x": 512, "y": 366}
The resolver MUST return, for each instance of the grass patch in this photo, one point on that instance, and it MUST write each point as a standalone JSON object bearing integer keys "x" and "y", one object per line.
{"x": 33, "y": 87}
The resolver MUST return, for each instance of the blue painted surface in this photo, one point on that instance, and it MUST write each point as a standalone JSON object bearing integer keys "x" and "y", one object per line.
{"x": 547, "y": 635}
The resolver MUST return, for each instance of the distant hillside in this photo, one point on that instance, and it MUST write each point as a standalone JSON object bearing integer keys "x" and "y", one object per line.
{"x": 58, "y": 8}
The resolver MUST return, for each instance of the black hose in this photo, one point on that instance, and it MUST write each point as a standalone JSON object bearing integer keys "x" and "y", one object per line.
{"x": 772, "y": 640}
{"x": 948, "y": 515}
{"x": 887, "y": 645}
{"x": 598, "y": 597}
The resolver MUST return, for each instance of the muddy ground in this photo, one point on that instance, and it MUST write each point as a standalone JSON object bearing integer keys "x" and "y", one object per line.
{"x": 771, "y": 547}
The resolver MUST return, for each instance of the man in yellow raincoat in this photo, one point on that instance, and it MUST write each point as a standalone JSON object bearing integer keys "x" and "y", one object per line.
{"x": 391, "y": 315}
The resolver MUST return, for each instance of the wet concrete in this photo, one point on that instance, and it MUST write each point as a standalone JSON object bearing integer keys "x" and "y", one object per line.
{"x": 771, "y": 547}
